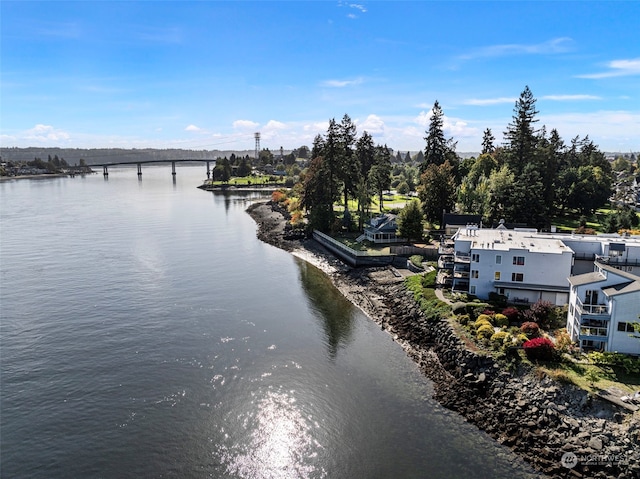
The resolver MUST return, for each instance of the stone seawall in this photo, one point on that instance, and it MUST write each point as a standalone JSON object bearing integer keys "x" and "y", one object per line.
{"x": 559, "y": 429}
{"x": 538, "y": 418}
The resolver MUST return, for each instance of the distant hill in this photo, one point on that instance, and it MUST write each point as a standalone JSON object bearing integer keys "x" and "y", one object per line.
{"x": 107, "y": 155}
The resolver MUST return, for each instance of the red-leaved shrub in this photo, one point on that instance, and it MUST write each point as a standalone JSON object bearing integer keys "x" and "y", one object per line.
{"x": 531, "y": 329}
{"x": 538, "y": 349}
{"x": 511, "y": 313}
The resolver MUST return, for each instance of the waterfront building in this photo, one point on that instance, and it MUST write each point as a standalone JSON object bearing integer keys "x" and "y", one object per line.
{"x": 603, "y": 305}
{"x": 519, "y": 264}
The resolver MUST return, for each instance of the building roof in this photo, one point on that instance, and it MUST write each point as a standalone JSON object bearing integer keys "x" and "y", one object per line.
{"x": 586, "y": 278}
{"x": 622, "y": 288}
{"x": 509, "y": 240}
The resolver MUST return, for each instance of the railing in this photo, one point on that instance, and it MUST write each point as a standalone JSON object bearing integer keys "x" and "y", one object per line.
{"x": 462, "y": 257}
{"x": 461, "y": 274}
{"x": 600, "y": 309}
{"x": 593, "y": 332}
{"x": 617, "y": 260}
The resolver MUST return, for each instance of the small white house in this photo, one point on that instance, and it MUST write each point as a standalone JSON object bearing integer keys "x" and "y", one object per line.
{"x": 603, "y": 305}
{"x": 383, "y": 229}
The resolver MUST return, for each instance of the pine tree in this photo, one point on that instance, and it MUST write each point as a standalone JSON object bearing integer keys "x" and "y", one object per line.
{"x": 521, "y": 138}
{"x": 487, "y": 142}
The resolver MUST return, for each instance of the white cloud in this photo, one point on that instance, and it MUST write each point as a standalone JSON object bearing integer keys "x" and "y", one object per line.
{"x": 373, "y": 124}
{"x": 617, "y": 68}
{"x": 342, "y": 83}
{"x": 275, "y": 125}
{"x": 453, "y": 127}
{"x": 358, "y": 6}
{"x": 489, "y": 101}
{"x": 553, "y": 46}
{"x": 570, "y": 97}
{"x": 245, "y": 124}
{"x": 192, "y": 128}
{"x": 46, "y": 133}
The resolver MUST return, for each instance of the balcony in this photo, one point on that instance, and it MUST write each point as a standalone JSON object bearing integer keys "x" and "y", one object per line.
{"x": 462, "y": 257}
{"x": 461, "y": 274}
{"x": 599, "y": 334}
{"x": 592, "y": 309}
{"x": 446, "y": 262}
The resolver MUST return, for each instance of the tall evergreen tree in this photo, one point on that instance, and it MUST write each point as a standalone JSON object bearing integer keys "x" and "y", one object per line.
{"x": 521, "y": 138}
{"x": 487, "y": 142}
{"x": 438, "y": 148}
{"x": 437, "y": 190}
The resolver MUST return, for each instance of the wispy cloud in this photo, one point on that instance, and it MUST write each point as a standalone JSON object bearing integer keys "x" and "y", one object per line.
{"x": 193, "y": 128}
{"x": 617, "y": 68}
{"x": 359, "y": 7}
{"x": 570, "y": 97}
{"x": 245, "y": 124}
{"x": 489, "y": 101}
{"x": 342, "y": 83}
{"x": 454, "y": 127}
{"x": 553, "y": 46}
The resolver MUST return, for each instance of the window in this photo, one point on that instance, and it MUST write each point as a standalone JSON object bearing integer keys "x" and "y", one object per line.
{"x": 472, "y": 290}
{"x": 625, "y": 327}
{"x": 475, "y": 257}
{"x": 518, "y": 260}
{"x": 496, "y": 276}
{"x": 474, "y": 273}
{"x": 499, "y": 259}
{"x": 517, "y": 277}
{"x": 501, "y": 291}
{"x": 591, "y": 296}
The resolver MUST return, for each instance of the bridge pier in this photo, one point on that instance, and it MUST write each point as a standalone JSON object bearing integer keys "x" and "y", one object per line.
{"x": 208, "y": 171}
{"x": 139, "y": 170}
{"x": 105, "y": 170}
{"x": 173, "y": 168}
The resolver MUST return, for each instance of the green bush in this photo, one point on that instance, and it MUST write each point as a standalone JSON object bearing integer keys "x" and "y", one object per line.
{"x": 463, "y": 319}
{"x": 629, "y": 364}
{"x": 429, "y": 279}
{"x": 500, "y": 339}
{"x": 500, "y": 320}
{"x": 416, "y": 260}
{"x": 485, "y": 331}
{"x": 481, "y": 321}
{"x": 485, "y": 317}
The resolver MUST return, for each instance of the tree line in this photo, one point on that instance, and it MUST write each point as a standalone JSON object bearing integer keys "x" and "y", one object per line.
{"x": 532, "y": 177}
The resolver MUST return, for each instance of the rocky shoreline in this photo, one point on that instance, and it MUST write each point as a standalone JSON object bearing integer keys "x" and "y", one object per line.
{"x": 557, "y": 428}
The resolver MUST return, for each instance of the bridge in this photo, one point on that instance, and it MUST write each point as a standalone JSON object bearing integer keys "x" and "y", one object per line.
{"x": 208, "y": 161}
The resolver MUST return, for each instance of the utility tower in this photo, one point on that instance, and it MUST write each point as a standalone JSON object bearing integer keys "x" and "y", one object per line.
{"x": 257, "y": 137}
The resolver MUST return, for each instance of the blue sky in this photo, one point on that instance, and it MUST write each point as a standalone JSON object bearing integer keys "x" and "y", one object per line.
{"x": 208, "y": 74}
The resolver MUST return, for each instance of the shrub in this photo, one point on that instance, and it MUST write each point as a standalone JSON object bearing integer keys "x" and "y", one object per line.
{"x": 497, "y": 299}
{"x": 500, "y": 320}
{"x": 540, "y": 312}
{"x": 278, "y": 196}
{"x": 500, "y": 339}
{"x": 520, "y": 339}
{"x": 416, "y": 260}
{"x": 511, "y": 313}
{"x": 539, "y": 349}
{"x": 485, "y": 331}
{"x": 463, "y": 319}
{"x": 485, "y": 317}
{"x": 563, "y": 340}
{"x": 429, "y": 279}
{"x": 531, "y": 329}
{"x": 629, "y": 364}
{"x": 480, "y": 322}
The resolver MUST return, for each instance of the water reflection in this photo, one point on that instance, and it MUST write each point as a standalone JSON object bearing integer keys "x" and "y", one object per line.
{"x": 281, "y": 443}
{"x": 335, "y": 311}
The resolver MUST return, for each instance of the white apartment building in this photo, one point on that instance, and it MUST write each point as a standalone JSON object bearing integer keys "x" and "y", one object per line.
{"x": 520, "y": 264}
{"x": 602, "y": 307}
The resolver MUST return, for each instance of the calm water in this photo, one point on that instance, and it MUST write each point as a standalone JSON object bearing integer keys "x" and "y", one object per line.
{"x": 146, "y": 332}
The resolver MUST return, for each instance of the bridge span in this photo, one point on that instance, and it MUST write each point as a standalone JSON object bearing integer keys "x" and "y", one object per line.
{"x": 139, "y": 163}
